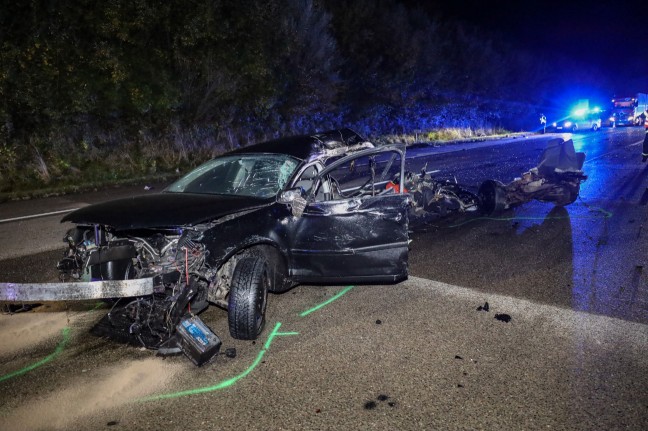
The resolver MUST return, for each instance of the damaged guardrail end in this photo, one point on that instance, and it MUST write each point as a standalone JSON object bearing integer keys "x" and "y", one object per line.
{"x": 74, "y": 291}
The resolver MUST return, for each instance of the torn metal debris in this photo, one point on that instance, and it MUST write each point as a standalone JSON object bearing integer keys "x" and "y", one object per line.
{"x": 555, "y": 179}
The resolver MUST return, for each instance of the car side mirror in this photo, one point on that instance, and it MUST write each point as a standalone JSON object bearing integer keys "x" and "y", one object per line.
{"x": 288, "y": 196}
{"x": 295, "y": 198}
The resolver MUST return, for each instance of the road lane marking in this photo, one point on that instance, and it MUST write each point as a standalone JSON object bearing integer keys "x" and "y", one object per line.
{"x": 610, "y": 152}
{"x": 605, "y": 214}
{"x": 27, "y": 217}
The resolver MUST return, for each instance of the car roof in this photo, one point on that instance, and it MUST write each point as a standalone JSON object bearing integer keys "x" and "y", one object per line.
{"x": 310, "y": 147}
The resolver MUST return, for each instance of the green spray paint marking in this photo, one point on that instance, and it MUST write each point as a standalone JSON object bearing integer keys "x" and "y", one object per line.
{"x": 228, "y": 382}
{"x": 48, "y": 358}
{"x": 317, "y": 307}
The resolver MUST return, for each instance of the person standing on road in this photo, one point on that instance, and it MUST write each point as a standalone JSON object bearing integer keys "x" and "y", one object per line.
{"x": 543, "y": 123}
{"x": 644, "y": 154}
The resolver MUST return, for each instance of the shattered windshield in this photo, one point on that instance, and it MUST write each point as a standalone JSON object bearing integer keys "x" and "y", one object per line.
{"x": 257, "y": 175}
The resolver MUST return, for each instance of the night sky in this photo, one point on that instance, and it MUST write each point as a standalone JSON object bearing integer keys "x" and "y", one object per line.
{"x": 607, "y": 38}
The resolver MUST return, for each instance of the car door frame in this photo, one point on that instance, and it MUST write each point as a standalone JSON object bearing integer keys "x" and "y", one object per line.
{"x": 352, "y": 240}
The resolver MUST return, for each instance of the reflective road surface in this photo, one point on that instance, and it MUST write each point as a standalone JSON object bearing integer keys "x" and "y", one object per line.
{"x": 534, "y": 319}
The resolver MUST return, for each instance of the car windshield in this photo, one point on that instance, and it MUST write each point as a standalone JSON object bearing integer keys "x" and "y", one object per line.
{"x": 258, "y": 175}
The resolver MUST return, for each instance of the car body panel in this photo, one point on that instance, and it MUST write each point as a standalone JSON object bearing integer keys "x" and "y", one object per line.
{"x": 163, "y": 210}
{"x": 310, "y": 147}
{"x": 353, "y": 240}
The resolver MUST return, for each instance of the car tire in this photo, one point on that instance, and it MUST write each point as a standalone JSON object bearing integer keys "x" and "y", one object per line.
{"x": 595, "y": 127}
{"x": 248, "y": 297}
{"x": 491, "y": 197}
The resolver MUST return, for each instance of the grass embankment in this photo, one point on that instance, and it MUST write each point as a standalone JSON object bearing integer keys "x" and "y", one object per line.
{"x": 62, "y": 171}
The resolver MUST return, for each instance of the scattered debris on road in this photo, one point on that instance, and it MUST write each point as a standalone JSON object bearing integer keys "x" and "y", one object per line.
{"x": 502, "y": 317}
{"x": 484, "y": 307}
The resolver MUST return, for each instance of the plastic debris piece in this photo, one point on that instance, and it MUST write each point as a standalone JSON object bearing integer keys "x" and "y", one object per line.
{"x": 458, "y": 357}
{"x": 378, "y": 322}
{"x": 230, "y": 352}
{"x": 503, "y": 317}
{"x": 484, "y": 307}
{"x": 370, "y": 405}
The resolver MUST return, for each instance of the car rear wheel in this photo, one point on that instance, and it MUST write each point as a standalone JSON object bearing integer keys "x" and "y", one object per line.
{"x": 248, "y": 297}
{"x": 595, "y": 127}
{"x": 492, "y": 197}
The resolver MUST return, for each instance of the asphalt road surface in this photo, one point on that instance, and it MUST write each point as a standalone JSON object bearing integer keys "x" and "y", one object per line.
{"x": 562, "y": 346}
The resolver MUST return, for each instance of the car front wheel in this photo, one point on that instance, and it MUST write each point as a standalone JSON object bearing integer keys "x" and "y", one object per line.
{"x": 248, "y": 297}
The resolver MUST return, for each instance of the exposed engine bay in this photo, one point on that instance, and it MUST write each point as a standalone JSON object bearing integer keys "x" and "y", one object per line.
{"x": 434, "y": 199}
{"x": 176, "y": 262}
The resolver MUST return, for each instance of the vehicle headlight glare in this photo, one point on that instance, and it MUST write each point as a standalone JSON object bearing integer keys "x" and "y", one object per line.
{"x": 568, "y": 123}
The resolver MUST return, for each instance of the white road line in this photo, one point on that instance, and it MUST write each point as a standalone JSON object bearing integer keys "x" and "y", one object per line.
{"x": 7, "y": 220}
{"x": 612, "y": 151}
{"x": 595, "y": 325}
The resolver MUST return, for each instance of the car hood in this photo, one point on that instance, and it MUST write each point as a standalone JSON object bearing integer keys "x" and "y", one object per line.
{"x": 163, "y": 210}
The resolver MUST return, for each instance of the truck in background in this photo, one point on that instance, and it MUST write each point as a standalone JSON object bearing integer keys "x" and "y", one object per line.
{"x": 628, "y": 111}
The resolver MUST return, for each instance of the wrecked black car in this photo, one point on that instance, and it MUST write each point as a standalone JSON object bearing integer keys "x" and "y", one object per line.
{"x": 306, "y": 209}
